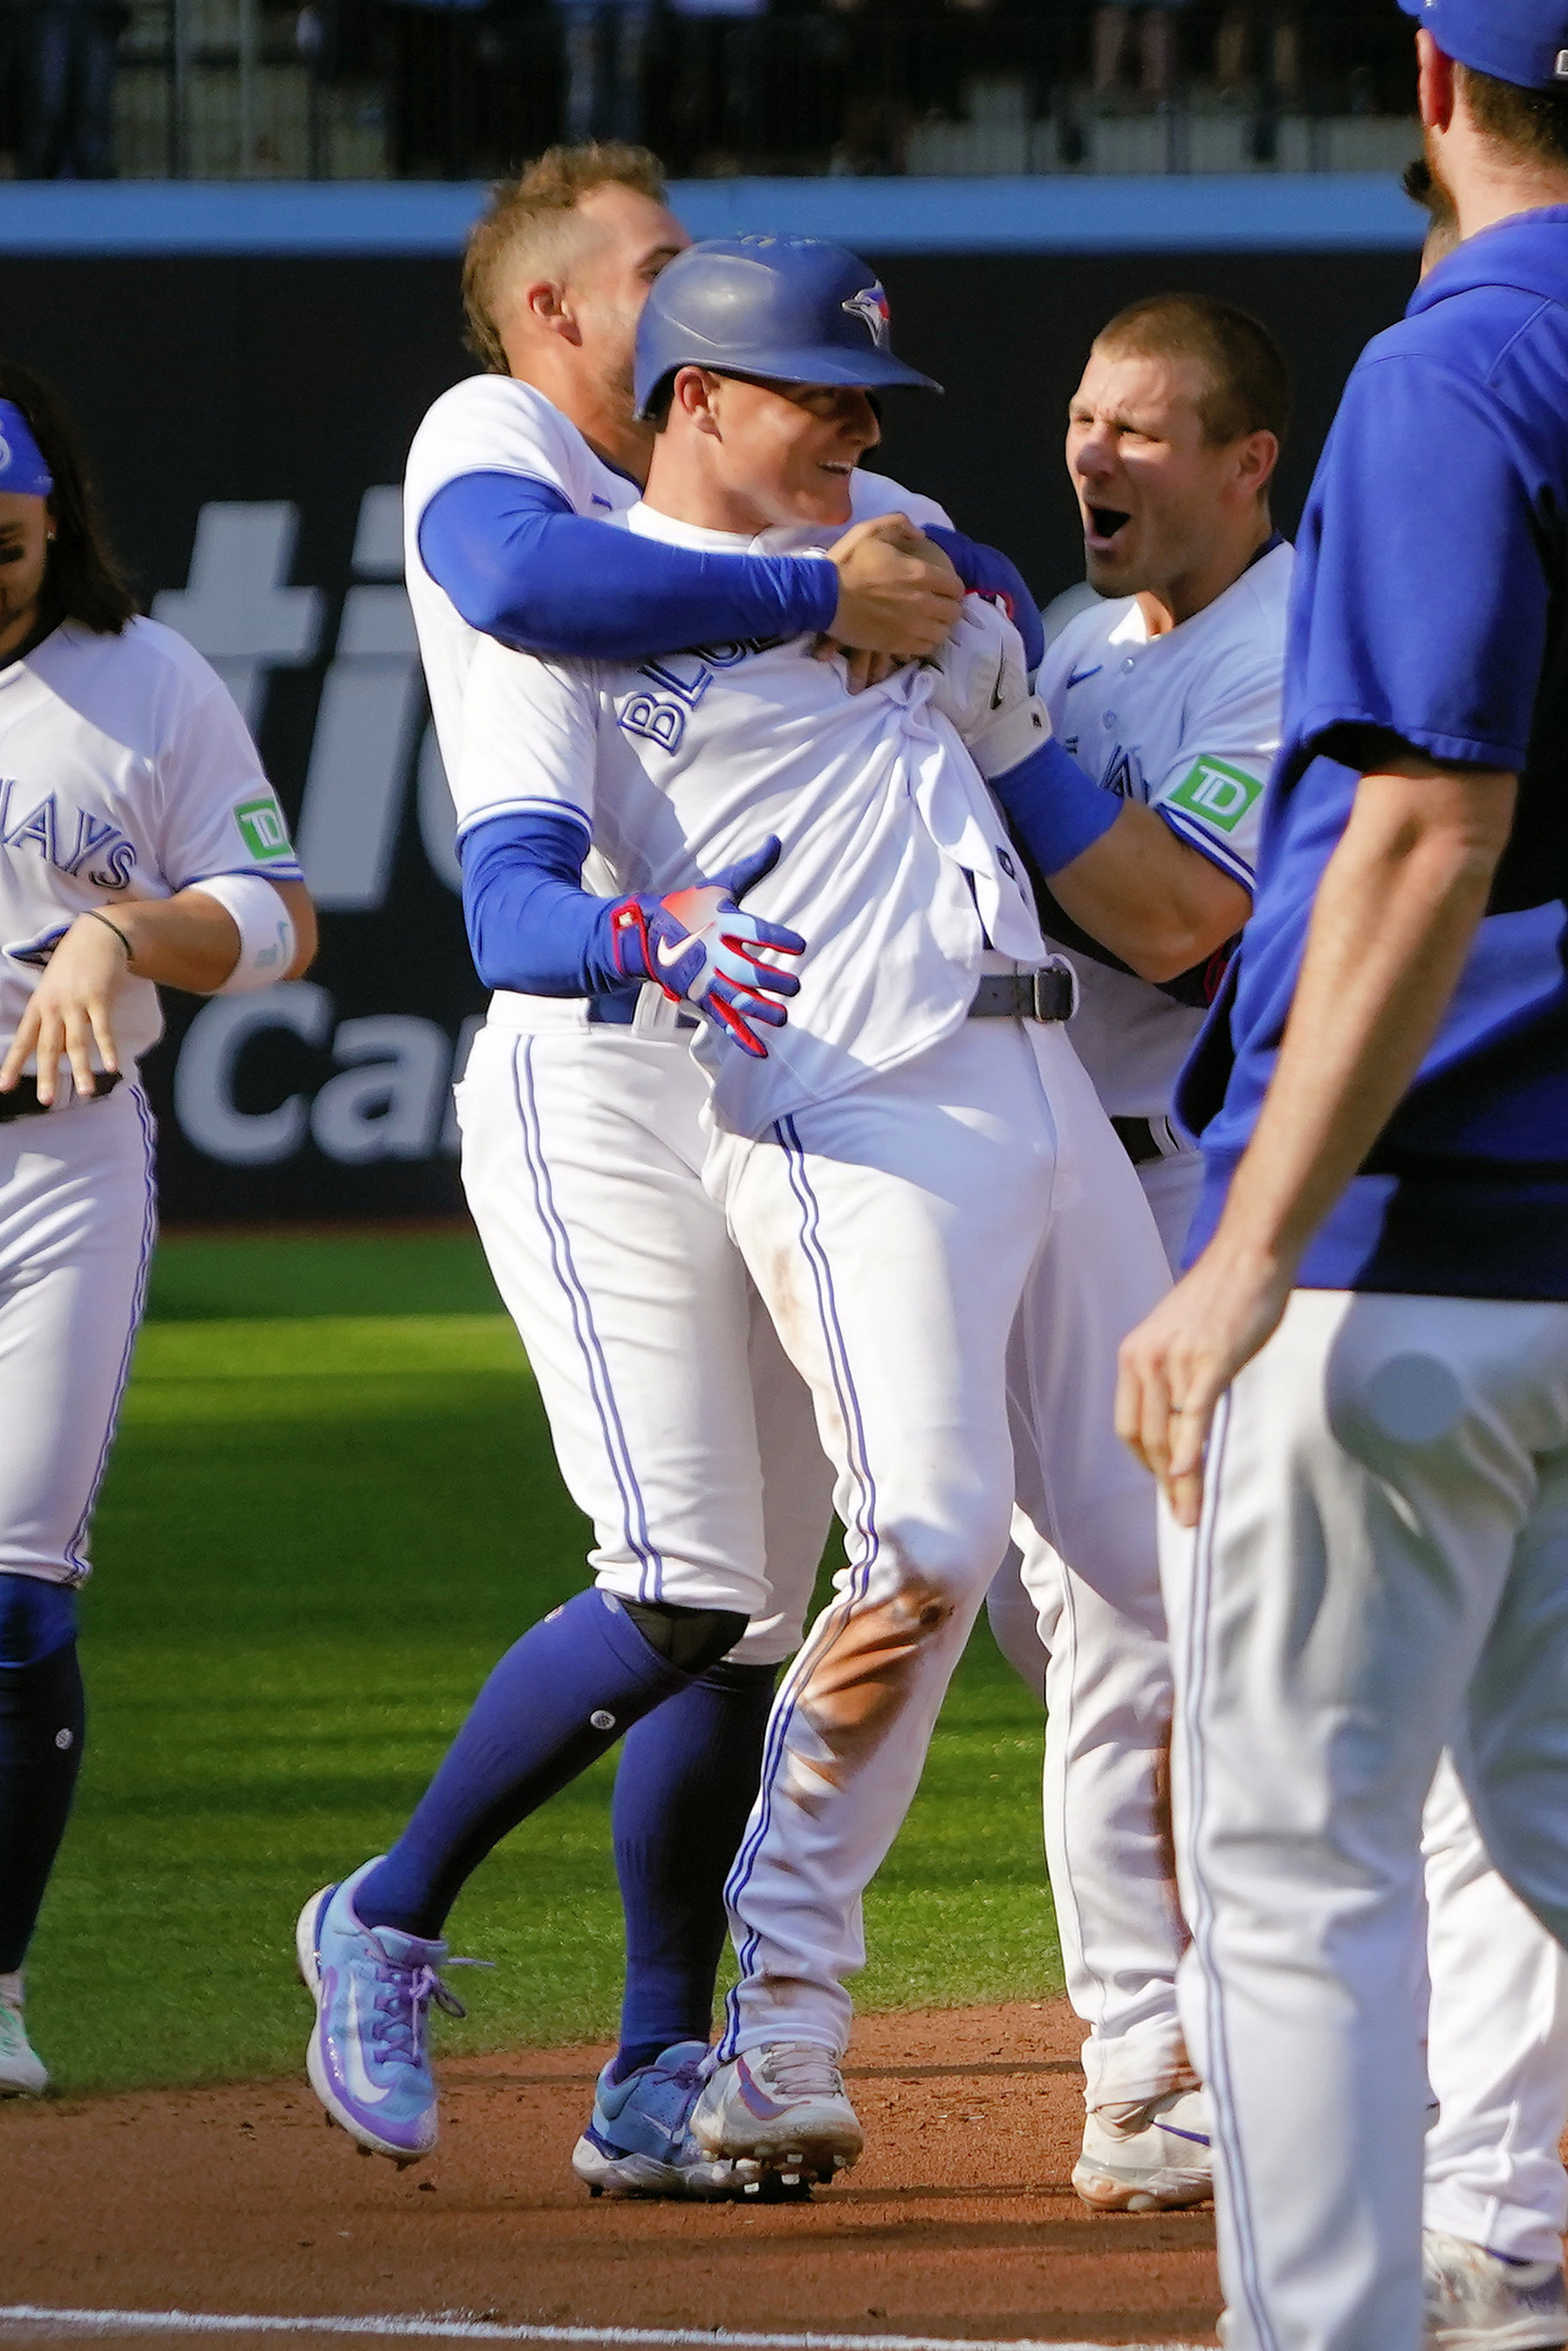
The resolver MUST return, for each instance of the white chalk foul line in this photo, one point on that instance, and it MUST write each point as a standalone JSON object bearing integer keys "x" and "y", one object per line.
{"x": 482, "y": 2330}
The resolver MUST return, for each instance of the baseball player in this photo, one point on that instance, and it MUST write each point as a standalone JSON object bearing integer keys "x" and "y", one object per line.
{"x": 710, "y": 1497}
{"x": 1164, "y": 695}
{"x": 1141, "y": 445}
{"x": 683, "y": 761}
{"x": 652, "y": 1144}
{"x": 140, "y": 845}
{"x": 1357, "y": 1398}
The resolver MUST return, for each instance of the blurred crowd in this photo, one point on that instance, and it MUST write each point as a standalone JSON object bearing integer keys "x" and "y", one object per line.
{"x": 716, "y": 86}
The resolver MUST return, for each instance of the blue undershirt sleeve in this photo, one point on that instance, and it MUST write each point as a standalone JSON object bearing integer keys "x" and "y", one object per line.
{"x": 522, "y": 566}
{"x": 532, "y": 926}
{"x": 989, "y": 572}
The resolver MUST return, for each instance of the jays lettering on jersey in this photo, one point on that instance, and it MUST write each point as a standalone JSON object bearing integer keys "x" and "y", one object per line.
{"x": 1431, "y": 608}
{"x": 895, "y": 866}
{"x": 125, "y": 772}
{"x": 1188, "y": 723}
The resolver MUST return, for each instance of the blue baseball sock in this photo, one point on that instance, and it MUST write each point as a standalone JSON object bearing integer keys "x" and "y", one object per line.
{"x": 41, "y": 1726}
{"x": 687, "y": 1779}
{"x": 559, "y": 1699}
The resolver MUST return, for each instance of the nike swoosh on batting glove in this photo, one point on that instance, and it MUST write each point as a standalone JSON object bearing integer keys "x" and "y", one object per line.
{"x": 700, "y": 947}
{"x": 981, "y": 683}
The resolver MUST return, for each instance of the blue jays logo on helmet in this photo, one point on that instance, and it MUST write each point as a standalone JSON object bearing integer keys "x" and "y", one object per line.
{"x": 871, "y": 305}
{"x": 789, "y": 310}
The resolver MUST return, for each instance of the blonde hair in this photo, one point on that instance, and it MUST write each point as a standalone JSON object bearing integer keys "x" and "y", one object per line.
{"x": 527, "y": 218}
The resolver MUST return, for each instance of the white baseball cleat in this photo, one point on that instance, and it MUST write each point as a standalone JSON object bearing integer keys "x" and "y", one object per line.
{"x": 1481, "y": 2301}
{"x": 1150, "y": 2158}
{"x": 782, "y": 2107}
{"x": 23, "y": 2073}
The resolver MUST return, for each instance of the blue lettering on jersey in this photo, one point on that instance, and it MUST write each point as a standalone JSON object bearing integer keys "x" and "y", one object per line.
{"x": 691, "y": 682}
{"x": 686, "y": 676}
{"x": 92, "y": 835}
{"x": 653, "y": 720}
{"x": 115, "y": 870}
{"x": 37, "y": 828}
{"x": 725, "y": 656}
{"x": 1124, "y": 776}
{"x": 112, "y": 857}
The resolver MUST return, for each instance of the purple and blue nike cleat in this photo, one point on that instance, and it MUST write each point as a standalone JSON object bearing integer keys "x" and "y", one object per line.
{"x": 372, "y": 1988}
{"x": 637, "y": 2143}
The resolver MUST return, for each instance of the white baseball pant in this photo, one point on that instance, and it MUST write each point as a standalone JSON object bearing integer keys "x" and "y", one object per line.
{"x": 1497, "y": 2034}
{"x": 1097, "y": 1655}
{"x": 679, "y": 1429}
{"x": 78, "y": 1218}
{"x": 895, "y": 1233}
{"x": 1497, "y": 2049}
{"x": 1381, "y": 1569}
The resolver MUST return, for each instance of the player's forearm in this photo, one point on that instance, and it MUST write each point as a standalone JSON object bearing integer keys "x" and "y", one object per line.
{"x": 1393, "y": 920}
{"x": 191, "y": 942}
{"x": 532, "y": 927}
{"x": 1155, "y": 901}
{"x": 522, "y": 566}
{"x": 1117, "y": 869}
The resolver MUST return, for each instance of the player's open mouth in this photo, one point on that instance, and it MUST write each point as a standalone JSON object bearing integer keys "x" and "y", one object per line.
{"x": 1104, "y": 522}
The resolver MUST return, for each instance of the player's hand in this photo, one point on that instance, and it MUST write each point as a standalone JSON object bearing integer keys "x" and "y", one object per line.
{"x": 71, "y": 1011}
{"x": 1175, "y": 1366}
{"x": 980, "y": 681}
{"x": 701, "y": 949}
{"x": 861, "y": 669}
{"x": 898, "y": 594}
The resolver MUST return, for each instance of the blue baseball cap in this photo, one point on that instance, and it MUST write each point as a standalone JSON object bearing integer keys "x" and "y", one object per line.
{"x": 790, "y": 307}
{"x": 22, "y": 469}
{"x": 1522, "y": 41}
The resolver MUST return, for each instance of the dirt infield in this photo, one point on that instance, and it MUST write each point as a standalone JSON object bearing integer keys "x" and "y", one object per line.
{"x": 958, "y": 2222}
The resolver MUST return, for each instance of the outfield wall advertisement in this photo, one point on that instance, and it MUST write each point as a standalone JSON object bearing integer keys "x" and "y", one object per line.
{"x": 247, "y": 419}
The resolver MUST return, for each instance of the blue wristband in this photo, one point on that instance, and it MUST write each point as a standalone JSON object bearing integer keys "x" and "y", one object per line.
{"x": 1054, "y": 809}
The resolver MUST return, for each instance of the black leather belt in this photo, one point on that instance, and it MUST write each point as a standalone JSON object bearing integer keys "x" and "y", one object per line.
{"x": 617, "y": 1009}
{"x": 1044, "y": 995}
{"x": 22, "y": 1102}
{"x": 1143, "y": 1139}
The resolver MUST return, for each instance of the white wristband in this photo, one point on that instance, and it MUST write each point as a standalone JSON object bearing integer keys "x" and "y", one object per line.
{"x": 266, "y": 929}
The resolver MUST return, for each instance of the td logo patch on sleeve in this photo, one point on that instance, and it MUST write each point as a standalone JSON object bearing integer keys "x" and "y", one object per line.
{"x": 1217, "y": 792}
{"x": 263, "y": 831}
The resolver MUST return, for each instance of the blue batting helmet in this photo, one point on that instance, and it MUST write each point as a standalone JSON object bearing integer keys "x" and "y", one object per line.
{"x": 790, "y": 307}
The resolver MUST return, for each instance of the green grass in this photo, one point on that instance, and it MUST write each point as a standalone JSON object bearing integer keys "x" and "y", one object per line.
{"x": 331, "y": 1505}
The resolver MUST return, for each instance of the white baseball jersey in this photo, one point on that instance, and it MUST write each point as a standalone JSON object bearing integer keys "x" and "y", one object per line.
{"x": 582, "y": 1149}
{"x": 494, "y": 425}
{"x": 895, "y": 866}
{"x": 1187, "y": 722}
{"x": 577, "y": 1144}
{"x": 125, "y": 772}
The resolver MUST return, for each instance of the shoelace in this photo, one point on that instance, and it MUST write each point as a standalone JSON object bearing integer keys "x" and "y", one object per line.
{"x": 801, "y": 2070}
{"x": 400, "y": 2005}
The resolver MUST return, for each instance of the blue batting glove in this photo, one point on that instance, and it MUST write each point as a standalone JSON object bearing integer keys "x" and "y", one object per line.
{"x": 701, "y": 949}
